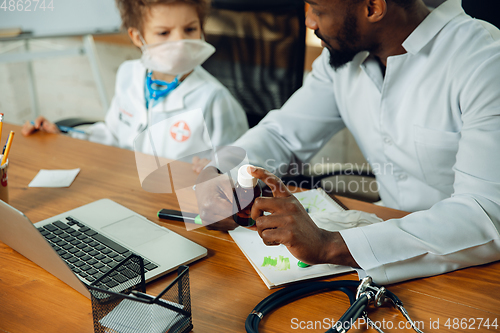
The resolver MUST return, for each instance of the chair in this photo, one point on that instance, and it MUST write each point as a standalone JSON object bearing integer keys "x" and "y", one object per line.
{"x": 260, "y": 51}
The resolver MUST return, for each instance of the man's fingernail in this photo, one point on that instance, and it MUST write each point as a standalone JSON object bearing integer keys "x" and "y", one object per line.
{"x": 252, "y": 169}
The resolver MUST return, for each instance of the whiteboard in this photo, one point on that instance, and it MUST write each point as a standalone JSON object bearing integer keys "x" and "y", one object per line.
{"x": 65, "y": 18}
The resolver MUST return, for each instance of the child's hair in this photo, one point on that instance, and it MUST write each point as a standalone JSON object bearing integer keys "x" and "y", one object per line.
{"x": 133, "y": 12}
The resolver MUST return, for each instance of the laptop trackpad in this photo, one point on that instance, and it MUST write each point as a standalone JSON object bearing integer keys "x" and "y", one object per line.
{"x": 134, "y": 231}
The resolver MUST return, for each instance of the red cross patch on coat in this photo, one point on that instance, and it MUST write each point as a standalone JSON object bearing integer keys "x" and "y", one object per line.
{"x": 180, "y": 131}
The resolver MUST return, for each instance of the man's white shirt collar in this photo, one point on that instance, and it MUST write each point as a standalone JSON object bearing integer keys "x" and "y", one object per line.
{"x": 432, "y": 25}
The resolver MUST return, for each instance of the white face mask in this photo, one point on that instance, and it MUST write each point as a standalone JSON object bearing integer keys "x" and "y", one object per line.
{"x": 175, "y": 57}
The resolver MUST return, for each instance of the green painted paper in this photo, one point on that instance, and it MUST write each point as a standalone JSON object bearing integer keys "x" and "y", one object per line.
{"x": 281, "y": 263}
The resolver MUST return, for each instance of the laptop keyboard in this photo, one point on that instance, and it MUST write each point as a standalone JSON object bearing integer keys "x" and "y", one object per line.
{"x": 88, "y": 253}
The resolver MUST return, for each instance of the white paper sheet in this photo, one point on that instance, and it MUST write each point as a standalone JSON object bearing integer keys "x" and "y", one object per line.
{"x": 275, "y": 264}
{"x": 54, "y": 178}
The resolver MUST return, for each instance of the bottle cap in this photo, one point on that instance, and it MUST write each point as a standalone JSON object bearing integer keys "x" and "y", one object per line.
{"x": 245, "y": 179}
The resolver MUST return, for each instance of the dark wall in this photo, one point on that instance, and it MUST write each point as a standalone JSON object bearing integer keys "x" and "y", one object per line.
{"x": 487, "y": 10}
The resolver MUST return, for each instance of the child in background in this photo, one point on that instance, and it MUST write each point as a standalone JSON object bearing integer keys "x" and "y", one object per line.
{"x": 167, "y": 81}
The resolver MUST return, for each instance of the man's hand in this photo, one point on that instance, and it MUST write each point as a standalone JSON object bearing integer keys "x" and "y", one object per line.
{"x": 290, "y": 225}
{"x": 40, "y": 124}
{"x": 214, "y": 194}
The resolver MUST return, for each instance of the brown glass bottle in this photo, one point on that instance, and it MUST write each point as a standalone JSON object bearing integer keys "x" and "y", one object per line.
{"x": 244, "y": 194}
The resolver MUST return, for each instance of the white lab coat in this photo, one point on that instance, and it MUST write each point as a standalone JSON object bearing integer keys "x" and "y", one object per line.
{"x": 431, "y": 130}
{"x": 127, "y": 117}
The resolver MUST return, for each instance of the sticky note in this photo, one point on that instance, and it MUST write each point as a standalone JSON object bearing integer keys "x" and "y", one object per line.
{"x": 54, "y": 178}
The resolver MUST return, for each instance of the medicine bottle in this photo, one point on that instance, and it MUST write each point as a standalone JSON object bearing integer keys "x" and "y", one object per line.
{"x": 245, "y": 191}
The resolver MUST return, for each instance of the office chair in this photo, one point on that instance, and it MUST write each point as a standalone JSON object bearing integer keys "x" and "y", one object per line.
{"x": 260, "y": 51}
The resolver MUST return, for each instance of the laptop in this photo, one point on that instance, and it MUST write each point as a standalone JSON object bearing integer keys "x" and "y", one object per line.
{"x": 81, "y": 245}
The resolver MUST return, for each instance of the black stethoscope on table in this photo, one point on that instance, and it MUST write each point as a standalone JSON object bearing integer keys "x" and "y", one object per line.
{"x": 366, "y": 293}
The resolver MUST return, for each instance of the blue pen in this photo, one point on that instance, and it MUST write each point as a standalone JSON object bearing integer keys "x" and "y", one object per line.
{"x": 65, "y": 129}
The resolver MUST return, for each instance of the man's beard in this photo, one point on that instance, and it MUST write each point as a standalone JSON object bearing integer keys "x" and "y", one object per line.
{"x": 348, "y": 37}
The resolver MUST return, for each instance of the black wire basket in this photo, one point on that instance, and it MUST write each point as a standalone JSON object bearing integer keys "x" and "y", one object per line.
{"x": 131, "y": 310}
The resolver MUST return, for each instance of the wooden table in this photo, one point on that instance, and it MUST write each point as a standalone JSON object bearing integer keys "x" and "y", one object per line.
{"x": 224, "y": 286}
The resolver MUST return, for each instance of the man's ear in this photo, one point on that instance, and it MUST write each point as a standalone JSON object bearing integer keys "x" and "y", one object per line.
{"x": 134, "y": 35}
{"x": 376, "y": 10}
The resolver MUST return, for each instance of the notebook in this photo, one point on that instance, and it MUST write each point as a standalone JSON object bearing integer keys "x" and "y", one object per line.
{"x": 82, "y": 244}
{"x": 275, "y": 264}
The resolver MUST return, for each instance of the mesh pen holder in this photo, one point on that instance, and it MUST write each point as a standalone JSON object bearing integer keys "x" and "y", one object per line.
{"x": 133, "y": 311}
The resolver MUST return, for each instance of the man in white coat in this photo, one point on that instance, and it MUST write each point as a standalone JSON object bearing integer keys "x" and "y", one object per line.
{"x": 419, "y": 90}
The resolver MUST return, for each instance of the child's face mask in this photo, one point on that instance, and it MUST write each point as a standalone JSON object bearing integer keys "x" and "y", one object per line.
{"x": 175, "y": 57}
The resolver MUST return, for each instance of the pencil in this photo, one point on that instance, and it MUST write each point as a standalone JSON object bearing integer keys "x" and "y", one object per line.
{"x": 1, "y": 124}
{"x": 3, "y": 150}
{"x": 7, "y": 149}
